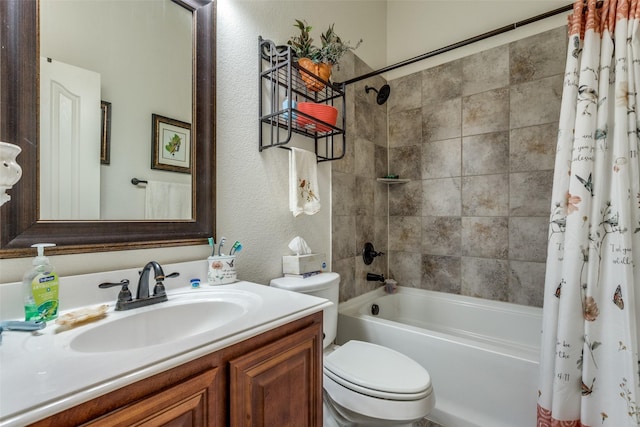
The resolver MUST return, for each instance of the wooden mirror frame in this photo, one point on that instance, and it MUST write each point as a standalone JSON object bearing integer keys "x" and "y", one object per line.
{"x": 19, "y": 124}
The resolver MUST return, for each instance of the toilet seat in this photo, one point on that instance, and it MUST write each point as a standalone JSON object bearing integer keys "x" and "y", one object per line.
{"x": 364, "y": 384}
{"x": 377, "y": 371}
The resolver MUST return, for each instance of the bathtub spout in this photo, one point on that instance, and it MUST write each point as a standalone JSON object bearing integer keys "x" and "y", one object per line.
{"x": 372, "y": 277}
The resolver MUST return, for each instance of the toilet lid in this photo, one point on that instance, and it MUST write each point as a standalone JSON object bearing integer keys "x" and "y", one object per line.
{"x": 378, "y": 369}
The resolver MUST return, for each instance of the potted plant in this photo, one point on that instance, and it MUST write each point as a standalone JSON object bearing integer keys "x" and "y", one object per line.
{"x": 317, "y": 60}
{"x": 333, "y": 48}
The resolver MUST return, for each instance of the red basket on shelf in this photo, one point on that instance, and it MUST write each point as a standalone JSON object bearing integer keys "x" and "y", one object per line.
{"x": 323, "y": 112}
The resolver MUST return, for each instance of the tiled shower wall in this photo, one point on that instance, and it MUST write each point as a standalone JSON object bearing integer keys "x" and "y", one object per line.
{"x": 476, "y": 137}
{"x": 359, "y": 203}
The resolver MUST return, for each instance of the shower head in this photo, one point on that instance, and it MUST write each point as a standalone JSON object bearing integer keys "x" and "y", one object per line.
{"x": 383, "y": 93}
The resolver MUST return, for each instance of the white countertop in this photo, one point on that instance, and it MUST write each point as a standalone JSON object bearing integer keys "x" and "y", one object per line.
{"x": 41, "y": 375}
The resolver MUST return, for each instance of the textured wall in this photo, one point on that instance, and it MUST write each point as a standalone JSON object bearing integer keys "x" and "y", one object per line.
{"x": 476, "y": 136}
{"x": 252, "y": 186}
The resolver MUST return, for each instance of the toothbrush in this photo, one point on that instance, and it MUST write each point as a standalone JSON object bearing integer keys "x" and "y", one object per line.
{"x": 212, "y": 243}
{"x": 235, "y": 248}
{"x": 222, "y": 240}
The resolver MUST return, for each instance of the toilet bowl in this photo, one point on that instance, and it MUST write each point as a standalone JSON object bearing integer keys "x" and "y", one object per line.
{"x": 369, "y": 384}
{"x": 364, "y": 384}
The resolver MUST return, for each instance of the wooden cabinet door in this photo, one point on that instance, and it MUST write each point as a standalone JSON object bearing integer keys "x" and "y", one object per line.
{"x": 186, "y": 404}
{"x": 279, "y": 384}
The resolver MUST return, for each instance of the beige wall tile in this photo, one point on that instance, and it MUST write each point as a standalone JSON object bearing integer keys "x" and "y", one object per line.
{"x": 441, "y": 273}
{"x": 485, "y": 195}
{"x": 485, "y": 112}
{"x": 477, "y": 138}
{"x": 441, "y": 159}
{"x": 485, "y": 154}
{"x": 476, "y": 76}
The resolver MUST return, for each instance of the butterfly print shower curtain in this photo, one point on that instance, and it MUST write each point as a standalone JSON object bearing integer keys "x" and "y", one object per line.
{"x": 589, "y": 369}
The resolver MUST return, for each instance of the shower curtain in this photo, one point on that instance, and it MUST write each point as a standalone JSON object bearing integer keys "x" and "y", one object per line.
{"x": 589, "y": 368}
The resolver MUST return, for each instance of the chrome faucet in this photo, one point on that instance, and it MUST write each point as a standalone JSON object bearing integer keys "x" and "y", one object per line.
{"x": 125, "y": 300}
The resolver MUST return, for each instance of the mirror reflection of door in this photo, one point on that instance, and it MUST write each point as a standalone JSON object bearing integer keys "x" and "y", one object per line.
{"x": 70, "y": 141}
{"x": 143, "y": 51}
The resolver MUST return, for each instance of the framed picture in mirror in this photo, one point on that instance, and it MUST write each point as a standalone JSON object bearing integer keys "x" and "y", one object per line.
{"x": 170, "y": 145}
{"x": 105, "y": 133}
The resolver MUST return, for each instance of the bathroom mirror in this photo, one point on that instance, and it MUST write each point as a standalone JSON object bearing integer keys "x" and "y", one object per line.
{"x": 96, "y": 115}
{"x": 20, "y": 225}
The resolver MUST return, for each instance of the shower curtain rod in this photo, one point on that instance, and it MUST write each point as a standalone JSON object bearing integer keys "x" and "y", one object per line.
{"x": 460, "y": 44}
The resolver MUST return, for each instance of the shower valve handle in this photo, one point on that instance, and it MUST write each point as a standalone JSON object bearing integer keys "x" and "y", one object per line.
{"x": 369, "y": 253}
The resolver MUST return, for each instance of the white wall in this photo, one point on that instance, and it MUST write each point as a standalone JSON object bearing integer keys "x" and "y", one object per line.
{"x": 415, "y": 27}
{"x": 252, "y": 186}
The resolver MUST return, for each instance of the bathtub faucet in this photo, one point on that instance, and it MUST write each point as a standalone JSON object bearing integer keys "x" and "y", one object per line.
{"x": 369, "y": 253}
{"x": 372, "y": 277}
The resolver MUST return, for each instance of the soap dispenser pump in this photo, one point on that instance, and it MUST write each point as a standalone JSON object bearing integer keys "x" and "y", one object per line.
{"x": 40, "y": 288}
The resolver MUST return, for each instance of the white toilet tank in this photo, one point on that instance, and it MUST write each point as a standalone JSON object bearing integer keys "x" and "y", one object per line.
{"x": 323, "y": 285}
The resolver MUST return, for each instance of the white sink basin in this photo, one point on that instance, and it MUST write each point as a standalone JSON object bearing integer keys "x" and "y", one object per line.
{"x": 179, "y": 318}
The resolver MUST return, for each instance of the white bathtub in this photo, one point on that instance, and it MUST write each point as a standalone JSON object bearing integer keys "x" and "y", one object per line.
{"x": 482, "y": 355}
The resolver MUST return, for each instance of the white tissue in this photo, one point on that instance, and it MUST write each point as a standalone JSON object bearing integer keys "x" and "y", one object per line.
{"x": 299, "y": 246}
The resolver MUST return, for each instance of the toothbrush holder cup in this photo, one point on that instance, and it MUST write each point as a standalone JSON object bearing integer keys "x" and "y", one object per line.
{"x": 222, "y": 269}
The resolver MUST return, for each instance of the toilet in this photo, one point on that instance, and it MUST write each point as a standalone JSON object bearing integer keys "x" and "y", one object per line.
{"x": 364, "y": 384}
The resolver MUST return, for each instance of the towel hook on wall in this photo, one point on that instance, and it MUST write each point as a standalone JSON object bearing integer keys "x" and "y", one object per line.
{"x": 136, "y": 181}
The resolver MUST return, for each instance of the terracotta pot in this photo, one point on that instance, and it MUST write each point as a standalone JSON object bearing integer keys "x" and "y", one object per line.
{"x": 321, "y": 70}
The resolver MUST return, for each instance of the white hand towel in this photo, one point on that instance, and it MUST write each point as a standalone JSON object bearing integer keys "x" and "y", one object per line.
{"x": 167, "y": 200}
{"x": 303, "y": 182}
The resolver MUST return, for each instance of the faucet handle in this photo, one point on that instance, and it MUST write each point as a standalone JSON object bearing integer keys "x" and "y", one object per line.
{"x": 158, "y": 289}
{"x": 369, "y": 253}
{"x": 124, "y": 294}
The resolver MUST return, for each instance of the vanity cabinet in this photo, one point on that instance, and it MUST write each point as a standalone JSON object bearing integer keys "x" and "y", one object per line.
{"x": 184, "y": 404}
{"x": 261, "y": 379}
{"x": 272, "y": 379}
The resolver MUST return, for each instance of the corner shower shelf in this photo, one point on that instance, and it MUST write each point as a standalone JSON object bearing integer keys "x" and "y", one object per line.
{"x": 281, "y": 80}
{"x": 392, "y": 181}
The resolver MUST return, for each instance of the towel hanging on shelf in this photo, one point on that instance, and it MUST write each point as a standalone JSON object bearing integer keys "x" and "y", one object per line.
{"x": 167, "y": 200}
{"x": 304, "y": 196}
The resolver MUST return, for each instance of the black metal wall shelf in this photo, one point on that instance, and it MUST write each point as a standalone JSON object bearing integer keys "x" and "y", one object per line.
{"x": 280, "y": 81}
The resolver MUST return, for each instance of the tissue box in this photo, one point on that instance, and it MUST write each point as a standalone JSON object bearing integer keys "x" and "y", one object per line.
{"x": 301, "y": 264}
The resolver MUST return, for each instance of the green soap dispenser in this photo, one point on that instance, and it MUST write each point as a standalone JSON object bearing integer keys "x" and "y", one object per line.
{"x": 40, "y": 288}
